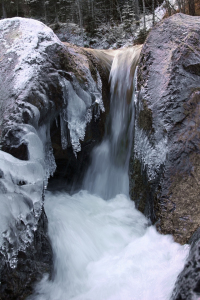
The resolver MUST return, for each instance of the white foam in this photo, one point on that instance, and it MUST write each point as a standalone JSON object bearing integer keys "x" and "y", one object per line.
{"x": 103, "y": 250}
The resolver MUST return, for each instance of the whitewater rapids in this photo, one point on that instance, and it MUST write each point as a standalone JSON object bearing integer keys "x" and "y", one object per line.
{"x": 104, "y": 250}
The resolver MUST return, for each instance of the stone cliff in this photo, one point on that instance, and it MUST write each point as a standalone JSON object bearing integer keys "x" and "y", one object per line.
{"x": 164, "y": 167}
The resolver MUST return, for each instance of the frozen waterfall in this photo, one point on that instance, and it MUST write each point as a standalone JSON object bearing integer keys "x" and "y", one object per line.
{"x": 103, "y": 247}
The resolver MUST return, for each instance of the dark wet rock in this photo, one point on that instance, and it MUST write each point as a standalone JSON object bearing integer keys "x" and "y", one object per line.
{"x": 18, "y": 283}
{"x": 187, "y": 286}
{"x": 164, "y": 167}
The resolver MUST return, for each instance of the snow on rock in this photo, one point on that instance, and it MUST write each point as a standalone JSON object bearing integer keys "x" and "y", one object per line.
{"x": 41, "y": 79}
{"x": 36, "y": 38}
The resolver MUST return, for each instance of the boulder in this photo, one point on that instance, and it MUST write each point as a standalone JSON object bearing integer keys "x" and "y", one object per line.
{"x": 165, "y": 160}
{"x": 51, "y": 109}
{"x": 187, "y": 286}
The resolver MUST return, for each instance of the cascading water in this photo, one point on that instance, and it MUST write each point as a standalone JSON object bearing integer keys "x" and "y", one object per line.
{"x": 108, "y": 174}
{"x": 103, "y": 248}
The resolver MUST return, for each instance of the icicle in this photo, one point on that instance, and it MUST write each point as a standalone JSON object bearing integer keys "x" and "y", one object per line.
{"x": 50, "y": 164}
{"x": 63, "y": 129}
{"x": 49, "y": 160}
{"x": 77, "y": 111}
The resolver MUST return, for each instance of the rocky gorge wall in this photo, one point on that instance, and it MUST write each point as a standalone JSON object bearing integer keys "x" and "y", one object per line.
{"x": 164, "y": 167}
{"x": 53, "y": 103}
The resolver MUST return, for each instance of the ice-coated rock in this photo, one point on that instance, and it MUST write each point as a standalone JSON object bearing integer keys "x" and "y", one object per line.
{"x": 164, "y": 167}
{"x": 42, "y": 83}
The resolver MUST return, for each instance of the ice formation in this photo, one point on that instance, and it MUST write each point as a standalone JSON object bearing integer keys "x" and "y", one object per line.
{"x": 29, "y": 111}
{"x": 151, "y": 156}
{"x": 21, "y": 186}
{"x": 74, "y": 116}
{"x": 78, "y": 109}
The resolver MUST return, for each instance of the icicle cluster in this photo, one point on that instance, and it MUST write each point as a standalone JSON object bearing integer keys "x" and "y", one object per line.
{"x": 78, "y": 109}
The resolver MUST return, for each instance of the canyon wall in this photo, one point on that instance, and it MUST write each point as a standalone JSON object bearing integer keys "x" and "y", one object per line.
{"x": 164, "y": 167}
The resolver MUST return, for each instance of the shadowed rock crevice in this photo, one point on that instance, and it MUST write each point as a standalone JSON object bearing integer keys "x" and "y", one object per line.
{"x": 20, "y": 152}
{"x": 145, "y": 120}
{"x": 70, "y": 169}
{"x": 193, "y": 69}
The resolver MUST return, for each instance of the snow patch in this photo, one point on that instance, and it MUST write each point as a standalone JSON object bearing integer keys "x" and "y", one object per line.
{"x": 31, "y": 53}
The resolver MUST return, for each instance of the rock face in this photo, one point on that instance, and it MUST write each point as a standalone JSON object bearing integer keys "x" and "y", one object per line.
{"x": 32, "y": 264}
{"x": 165, "y": 162}
{"x": 51, "y": 108}
{"x": 188, "y": 282}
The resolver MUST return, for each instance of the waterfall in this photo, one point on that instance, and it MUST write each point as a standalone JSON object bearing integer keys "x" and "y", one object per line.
{"x": 108, "y": 174}
{"x": 103, "y": 247}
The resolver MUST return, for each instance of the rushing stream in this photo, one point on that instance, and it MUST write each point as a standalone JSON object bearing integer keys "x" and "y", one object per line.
{"x": 103, "y": 247}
